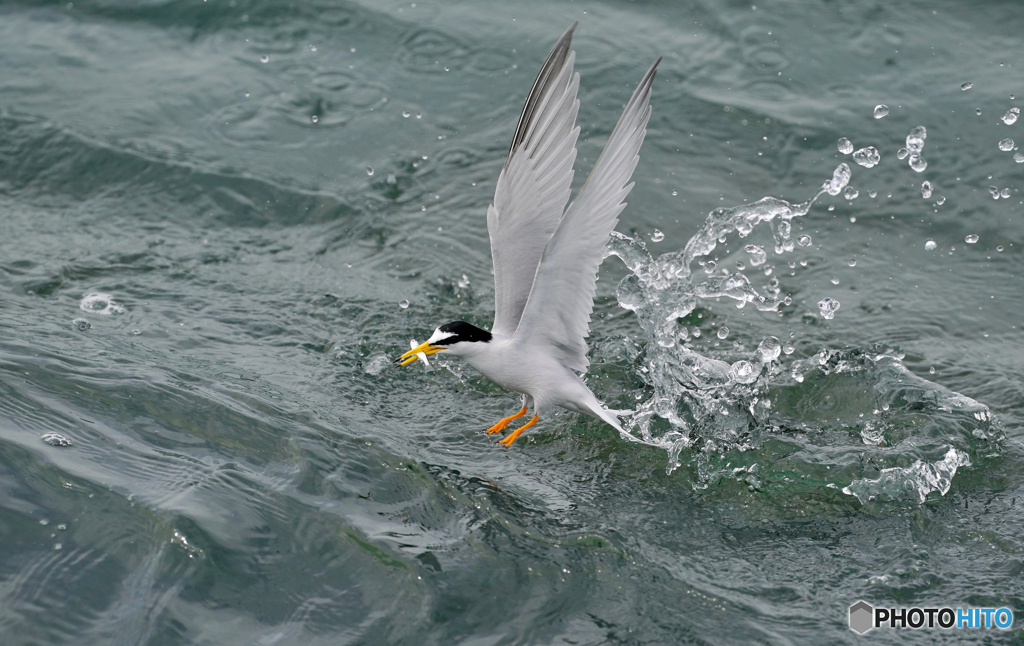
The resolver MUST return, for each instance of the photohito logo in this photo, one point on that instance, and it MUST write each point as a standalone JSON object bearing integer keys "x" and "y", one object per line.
{"x": 864, "y": 617}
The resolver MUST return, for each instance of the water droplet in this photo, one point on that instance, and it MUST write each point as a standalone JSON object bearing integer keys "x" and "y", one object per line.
{"x": 709, "y": 267}
{"x": 758, "y": 255}
{"x": 1005, "y": 192}
{"x": 827, "y": 307}
{"x": 941, "y": 200}
{"x": 915, "y": 140}
{"x": 852, "y": 262}
{"x": 62, "y": 527}
{"x": 1010, "y": 117}
{"x": 81, "y": 324}
{"x": 999, "y": 248}
{"x": 674, "y": 193}
{"x": 918, "y": 163}
{"x": 844, "y": 146}
{"x": 419, "y": 115}
{"x": 264, "y": 59}
{"x": 1006, "y": 144}
{"x": 872, "y": 194}
{"x": 902, "y": 153}
{"x": 867, "y": 157}
{"x": 971, "y": 239}
{"x": 850, "y": 193}
{"x": 966, "y": 86}
{"x": 369, "y": 170}
{"x": 312, "y": 48}
{"x": 881, "y": 111}
{"x": 1019, "y": 158}
{"x": 403, "y": 304}
{"x": 54, "y": 439}
{"x": 926, "y": 189}
{"x": 742, "y": 372}
{"x": 834, "y": 280}
{"x": 315, "y": 118}
{"x": 804, "y": 240}
{"x": 789, "y": 348}
{"x": 931, "y": 370}
{"x": 840, "y": 178}
{"x": 723, "y": 332}
{"x": 695, "y": 333}
{"x": 994, "y": 192}
{"x": 657, "y": 236}
{"x": 769, "y": 349}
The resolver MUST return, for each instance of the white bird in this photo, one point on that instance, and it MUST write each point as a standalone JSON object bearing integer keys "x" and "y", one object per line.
{"x": 546, "y": 256}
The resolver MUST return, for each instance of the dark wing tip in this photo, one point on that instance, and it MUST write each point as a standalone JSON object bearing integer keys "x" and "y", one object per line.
{"x": 649, "y": 76}
{"x": 545, "y": 77}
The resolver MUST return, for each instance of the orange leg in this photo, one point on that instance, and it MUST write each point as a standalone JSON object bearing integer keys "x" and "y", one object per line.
{"x": 514, "y": 434}
{"x": 500, "y": 426}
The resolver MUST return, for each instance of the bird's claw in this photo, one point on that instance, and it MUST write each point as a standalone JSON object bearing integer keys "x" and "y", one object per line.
{"x": 498, "y": 428}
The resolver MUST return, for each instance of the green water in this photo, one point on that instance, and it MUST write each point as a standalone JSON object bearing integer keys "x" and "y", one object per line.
{"x": 246, "y": 467}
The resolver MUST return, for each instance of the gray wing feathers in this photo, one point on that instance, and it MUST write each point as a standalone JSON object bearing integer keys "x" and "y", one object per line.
{"x": 548, "y": 71}
{"x": 559, "y": 306}
{"x": 534, "y": 184}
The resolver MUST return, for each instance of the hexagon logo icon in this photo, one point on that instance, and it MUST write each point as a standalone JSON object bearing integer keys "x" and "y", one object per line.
{"x": 861, "y": 615}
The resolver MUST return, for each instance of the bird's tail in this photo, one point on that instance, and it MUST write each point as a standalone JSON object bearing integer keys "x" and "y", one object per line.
{"x": 611, "y": 417}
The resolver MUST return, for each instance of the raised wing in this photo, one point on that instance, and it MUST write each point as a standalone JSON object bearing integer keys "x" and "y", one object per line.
{"x": 557, "y": 314}
{"x": 533, "y": 187}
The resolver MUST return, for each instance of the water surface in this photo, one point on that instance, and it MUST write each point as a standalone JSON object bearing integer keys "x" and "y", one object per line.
{"x": 211, "y": 214}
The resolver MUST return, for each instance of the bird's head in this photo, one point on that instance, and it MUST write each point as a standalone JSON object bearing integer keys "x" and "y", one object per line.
{"x": 457, "y": 336}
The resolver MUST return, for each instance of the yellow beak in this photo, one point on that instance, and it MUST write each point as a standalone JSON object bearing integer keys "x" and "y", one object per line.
{"x": 424, "y": 347}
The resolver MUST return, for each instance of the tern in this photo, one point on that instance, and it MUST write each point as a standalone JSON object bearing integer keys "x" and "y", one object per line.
{"x": 545, "y": 255}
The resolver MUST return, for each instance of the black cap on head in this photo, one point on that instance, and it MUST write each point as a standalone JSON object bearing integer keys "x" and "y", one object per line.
{"x": 462, "y": 331}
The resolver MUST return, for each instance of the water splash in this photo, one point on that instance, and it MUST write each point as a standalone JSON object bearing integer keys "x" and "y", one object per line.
{"x": 910, "y": 483}
{"x": 55, "y": 439}
{"x": 723, "y": 407}
{"x": 691, "y": 390}
{"x": 100, "y": 303}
